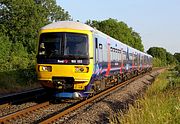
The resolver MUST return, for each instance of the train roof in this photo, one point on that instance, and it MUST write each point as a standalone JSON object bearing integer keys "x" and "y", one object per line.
{"x": 67, "y": 24}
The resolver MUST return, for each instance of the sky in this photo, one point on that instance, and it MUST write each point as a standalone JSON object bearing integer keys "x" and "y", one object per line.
{"x": 157, "y": 21}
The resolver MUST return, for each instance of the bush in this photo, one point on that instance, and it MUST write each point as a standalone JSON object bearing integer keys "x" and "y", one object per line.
{"x": 5, "y": 50}
{"x": 158, "y": 63}
{"x": 17, "y": 68}
{"x": 14, "y": 56}
{"x": 177, "y": 68}
{"x": 17, "y": 80}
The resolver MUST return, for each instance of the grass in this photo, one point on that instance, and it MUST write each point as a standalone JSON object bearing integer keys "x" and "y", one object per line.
{"x": 17, "y": 80}
{"x": 160, "y": 105}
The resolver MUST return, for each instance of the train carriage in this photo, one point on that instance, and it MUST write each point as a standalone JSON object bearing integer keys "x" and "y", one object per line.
{"x": 76, "y": 60}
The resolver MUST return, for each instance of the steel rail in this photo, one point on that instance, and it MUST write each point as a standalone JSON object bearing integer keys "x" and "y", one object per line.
{"x": 103, "y": 93}
{"x": 5, "y": 119}
{"x": 17, "y": 97}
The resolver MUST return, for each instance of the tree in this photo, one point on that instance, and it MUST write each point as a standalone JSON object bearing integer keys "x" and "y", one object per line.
{"x": 170, "y": 58}
{"x": 160, "y": 53}
{"x": 21, "y": 19}
{"x": 53, "y": 12}
{"x": 119, "y": 31}
{"x": 5, "y": 50}
{"x": 137, "y": 41}
{"x": 177, "y": 56}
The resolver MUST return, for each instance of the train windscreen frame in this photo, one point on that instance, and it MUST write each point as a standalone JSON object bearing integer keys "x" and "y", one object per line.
{"x": 63, "y": 46}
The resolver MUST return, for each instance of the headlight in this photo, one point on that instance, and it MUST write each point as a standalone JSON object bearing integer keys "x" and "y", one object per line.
{"x": 81, "y": 69}
{"x": 45, "y": 68}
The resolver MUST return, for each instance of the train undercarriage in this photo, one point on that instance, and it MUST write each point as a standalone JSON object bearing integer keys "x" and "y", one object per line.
{"x": 97, "y": 85}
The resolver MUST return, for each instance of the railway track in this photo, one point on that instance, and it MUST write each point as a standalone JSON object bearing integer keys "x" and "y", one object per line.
{"x": 14, "y": 103}
{"x": 34, "y": 113}
{"x": 18, "y": 114}
{"x": 62, "y": 110}
{"x": 103, "y": 94}
{"x": 21, "y": 96}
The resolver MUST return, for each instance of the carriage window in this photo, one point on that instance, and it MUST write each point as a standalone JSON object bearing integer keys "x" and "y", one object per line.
{"x": 100, "y": 46}
{"x": 96, "y": 42}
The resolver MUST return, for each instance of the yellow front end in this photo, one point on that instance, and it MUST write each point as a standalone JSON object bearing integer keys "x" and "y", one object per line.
{"x": 80, "y": 74}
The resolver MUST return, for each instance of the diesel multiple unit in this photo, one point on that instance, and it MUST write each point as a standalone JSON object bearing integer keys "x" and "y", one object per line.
{"x": 76, "y": 60}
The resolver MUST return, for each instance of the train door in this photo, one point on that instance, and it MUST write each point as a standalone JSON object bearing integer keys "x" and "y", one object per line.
{"x": 121, "y": 60}
{"x": 139, "y": 61}
{"x": 127, "y": 59}
{"x": 98, "y": 51}
{"x": 98, "y": 56}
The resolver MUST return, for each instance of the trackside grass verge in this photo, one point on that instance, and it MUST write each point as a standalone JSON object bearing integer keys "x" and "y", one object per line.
{"x": 160, "y": 105}
{"x": 17, "y": 80}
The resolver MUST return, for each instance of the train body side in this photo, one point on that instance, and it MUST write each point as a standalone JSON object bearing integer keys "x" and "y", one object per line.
{"x": 113, "y": 57}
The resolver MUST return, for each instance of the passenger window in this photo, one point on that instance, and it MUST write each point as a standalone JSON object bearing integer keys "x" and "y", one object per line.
{"x": 96, "y": 41}
{"x": 100, "y": 46}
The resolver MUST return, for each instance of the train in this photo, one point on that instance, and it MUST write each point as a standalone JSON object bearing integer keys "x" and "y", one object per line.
{"x": 76, "y": 61}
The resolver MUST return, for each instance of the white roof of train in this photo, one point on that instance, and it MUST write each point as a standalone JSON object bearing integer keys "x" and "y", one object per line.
{"x": 68, "y": 24}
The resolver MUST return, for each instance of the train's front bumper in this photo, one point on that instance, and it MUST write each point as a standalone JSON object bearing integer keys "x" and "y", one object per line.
{"x": 72, "y": 77}
{"x": 76, "y": 85}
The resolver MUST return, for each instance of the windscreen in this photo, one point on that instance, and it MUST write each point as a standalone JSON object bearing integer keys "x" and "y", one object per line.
{"x": 63, "y": 45}
{"x": 76, "y": 44}
{"x": 50, "y": 45}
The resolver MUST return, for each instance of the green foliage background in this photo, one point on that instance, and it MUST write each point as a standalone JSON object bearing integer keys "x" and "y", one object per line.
{"x": 119, "y": 31}
{"x": 162, "y": 58}
{"x": 20, "y": 21}
{"x": 177, "y": 56}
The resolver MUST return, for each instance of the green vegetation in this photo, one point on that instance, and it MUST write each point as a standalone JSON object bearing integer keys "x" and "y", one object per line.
{"x": 177, "y": 68}
{"x": 119, "y": 31}
{"x": 162, "y": 58}
{"x": 20, "y": 21}
{"x": 158, "y": 63}
{"x": 160, "y": 105}
{"x": 177, "y": 56}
